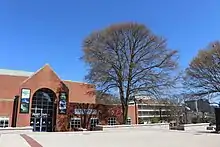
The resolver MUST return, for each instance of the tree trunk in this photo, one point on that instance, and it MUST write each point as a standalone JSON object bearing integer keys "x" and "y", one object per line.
{"x": 125, "y": 113}
{"x": 84, "y": 121}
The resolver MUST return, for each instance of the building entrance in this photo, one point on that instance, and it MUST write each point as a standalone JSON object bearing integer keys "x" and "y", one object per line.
{"x": 43, "y": 111}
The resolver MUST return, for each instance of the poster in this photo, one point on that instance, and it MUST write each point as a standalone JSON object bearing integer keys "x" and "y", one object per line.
{"x": 25, "y": 100}
{"x": 62, "y": 103}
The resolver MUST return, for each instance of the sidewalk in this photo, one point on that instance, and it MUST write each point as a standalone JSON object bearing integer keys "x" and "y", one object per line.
{"x": 17, "y": 140}
{"x": 119, "y": 138}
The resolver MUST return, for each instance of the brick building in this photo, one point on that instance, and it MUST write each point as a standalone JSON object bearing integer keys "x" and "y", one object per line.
{"x": 48, "y": 103}
{"x": 149, "y": 110}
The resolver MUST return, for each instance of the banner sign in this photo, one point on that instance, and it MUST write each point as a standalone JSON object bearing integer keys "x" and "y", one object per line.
{"x": 85, "y": 111}
{"x": 25, "y": 100}
{"x": 62, "y": 103}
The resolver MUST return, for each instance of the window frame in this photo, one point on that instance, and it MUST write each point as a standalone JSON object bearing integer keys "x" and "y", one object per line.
{"x": 75, "y": 122}
{"x": 4, "y": 119}
{"x": 94, "y": 121}
{"x": 112, "y": 121}
{"x": 128, "y": 121}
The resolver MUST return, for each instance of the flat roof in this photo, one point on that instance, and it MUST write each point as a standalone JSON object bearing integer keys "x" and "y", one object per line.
{"x": 15, "y": 72}
{"x": 22, "y": 73}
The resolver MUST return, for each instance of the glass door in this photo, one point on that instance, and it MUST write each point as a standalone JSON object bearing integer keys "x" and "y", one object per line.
{"x": 43, "y": 111}
{"x": 38, "y": 120}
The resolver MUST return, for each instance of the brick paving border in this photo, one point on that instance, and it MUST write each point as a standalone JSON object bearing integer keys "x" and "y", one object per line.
{"x": 31, "y": 141}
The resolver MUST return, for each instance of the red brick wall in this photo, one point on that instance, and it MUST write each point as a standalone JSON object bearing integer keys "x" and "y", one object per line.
{"x": 103, "y": 113}
{"x": 107, "y": 111}
{"x": 80, "y": 92}
{"x": 44, "y": 78}
{"x": 131, "y": 113}
{"x": 6, "y": 109}
{"x": 9, "y": 86}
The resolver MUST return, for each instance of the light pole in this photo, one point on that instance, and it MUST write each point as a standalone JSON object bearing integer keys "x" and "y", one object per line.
{"x": 160, "y": 115}
{"x": 186, "y": 119}
{"x": 186, "y": 109}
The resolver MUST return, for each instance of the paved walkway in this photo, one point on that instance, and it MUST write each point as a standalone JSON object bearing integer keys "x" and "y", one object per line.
{"x": 121, "y": 138}
{"x": 13, "y": 140}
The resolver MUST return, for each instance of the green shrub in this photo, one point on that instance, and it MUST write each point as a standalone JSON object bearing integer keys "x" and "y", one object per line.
{"x": 140, "y": 121}
{"x": 155, "y": 120}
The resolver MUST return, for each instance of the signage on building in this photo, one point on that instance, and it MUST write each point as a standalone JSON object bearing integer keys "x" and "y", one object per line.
{"x": 85, "y": 111}
{"x": 25, "y": 100}
{"x": 37, "y": 115}
{"x": 62, "y": 103}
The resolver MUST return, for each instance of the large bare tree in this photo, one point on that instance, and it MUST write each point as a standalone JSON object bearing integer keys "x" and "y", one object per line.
{"x": 129, "y": 58}
{"x": 106, "y": 98}
{"x": 203, "y": 74}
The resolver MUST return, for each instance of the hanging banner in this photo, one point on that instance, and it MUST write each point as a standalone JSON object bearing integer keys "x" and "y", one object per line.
{"x": 62, "y": 103}
{"x": 25, "y": 100}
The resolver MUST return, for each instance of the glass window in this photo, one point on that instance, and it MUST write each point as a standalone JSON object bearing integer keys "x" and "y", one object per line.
{"x": 43, "y": 107}
{"x": 94, "y": 122}
{"x": 112, "y": 121}
{"x": 75, "y": 123}
{"x": 4, "y": 122}
{"x": 128, "y": 121}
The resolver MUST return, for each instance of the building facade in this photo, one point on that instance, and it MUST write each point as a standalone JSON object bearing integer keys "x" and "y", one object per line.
{"x": 199, "y": 105}
{"x": 199, "y": 110}
{"x": 48, "y": 103}
{"x": 150, "y": 110}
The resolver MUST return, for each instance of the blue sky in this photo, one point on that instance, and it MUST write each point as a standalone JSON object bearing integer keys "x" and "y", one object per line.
{"x": 35, "y": 32}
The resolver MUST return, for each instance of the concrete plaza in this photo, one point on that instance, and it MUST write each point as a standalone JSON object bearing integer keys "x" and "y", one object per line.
{"x": 137, "y": 137}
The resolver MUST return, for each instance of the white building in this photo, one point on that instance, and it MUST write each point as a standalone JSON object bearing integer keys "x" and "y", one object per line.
{"x": 152, "y": 110}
